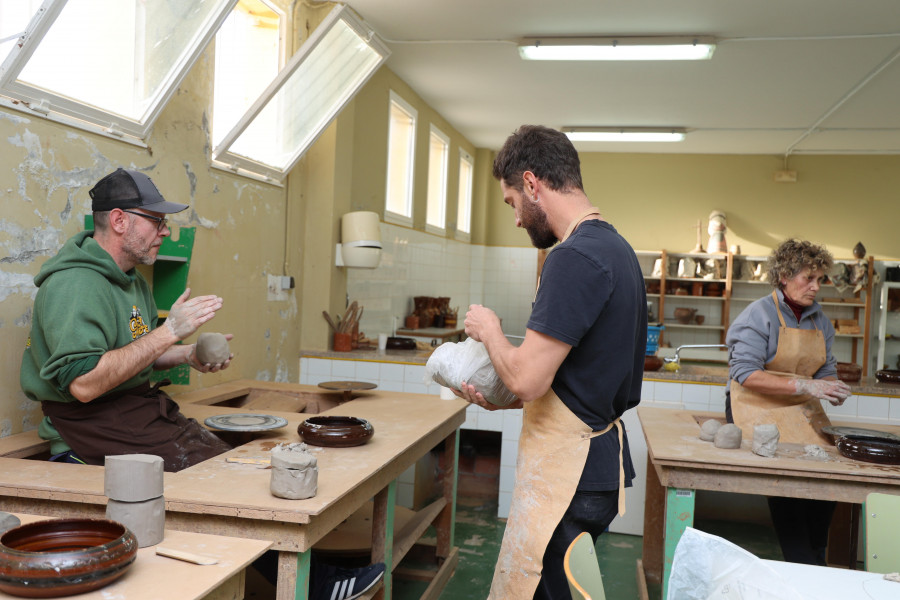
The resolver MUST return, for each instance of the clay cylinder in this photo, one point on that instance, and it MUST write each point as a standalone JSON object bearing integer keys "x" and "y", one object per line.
{"x": 342, "y": 342}
{"x": 133, "y": 477}
{"x": 146, "y": 520}
{"x": 295, "y": 475}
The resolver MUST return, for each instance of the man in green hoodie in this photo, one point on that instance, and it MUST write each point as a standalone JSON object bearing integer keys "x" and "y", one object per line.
{"x": 94, "y": 337}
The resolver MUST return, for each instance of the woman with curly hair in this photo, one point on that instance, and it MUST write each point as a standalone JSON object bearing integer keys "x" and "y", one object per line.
{"x": 781, "y": 369}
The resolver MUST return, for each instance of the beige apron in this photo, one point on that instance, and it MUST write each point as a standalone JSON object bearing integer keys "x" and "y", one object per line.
{"x": 553, "y": 449}
{"x": 799, "y": 352}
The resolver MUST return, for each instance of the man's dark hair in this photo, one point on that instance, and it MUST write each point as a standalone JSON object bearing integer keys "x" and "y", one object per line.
{"x": 546, "y": 152}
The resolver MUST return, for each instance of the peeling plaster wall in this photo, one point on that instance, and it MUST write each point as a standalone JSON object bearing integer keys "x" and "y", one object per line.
{"x": 46, "y": 170}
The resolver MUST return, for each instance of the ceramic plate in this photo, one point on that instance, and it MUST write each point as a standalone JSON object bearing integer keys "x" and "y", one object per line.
{"x": 245, "y": 422}
{"x": 860, "y": 432}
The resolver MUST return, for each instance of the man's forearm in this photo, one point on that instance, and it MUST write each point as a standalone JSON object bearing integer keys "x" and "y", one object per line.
{"x": 120, "y": 365}
{"x": 174, "y": 356}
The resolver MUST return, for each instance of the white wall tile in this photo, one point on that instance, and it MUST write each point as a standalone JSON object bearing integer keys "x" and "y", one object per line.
{"x": 875, "y": 407}
{"x": 343, "y": 369}
{"x": 367, "y": 371}
{"x": 695, "y": 395}
{"x": 509, "y": 451}
{"x": 648, "y": 389}
{"x": 391, "y": 372}
{"x": 504, "y": 500}
{"x": 507, "y": 478}
{"x": 490, "y": 421}
{"x": 665, "y": 391}
{"x": 848, "y": 409}
{"x": 512, "y": 424}
{"x": 895, "y": 409}
{"x": 320, "y": 366}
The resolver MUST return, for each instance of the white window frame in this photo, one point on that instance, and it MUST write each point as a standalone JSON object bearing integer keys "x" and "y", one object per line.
{"x": 390, "y": 216}
{"x": 56, "y": 107}
{"x": 340, "y": 14}
{"x": 464, "y": 197}
{"x": 437, "y": 191}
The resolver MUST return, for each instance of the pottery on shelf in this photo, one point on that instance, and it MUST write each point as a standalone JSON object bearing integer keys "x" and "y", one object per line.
{"x": 62, "y": 557}
{"x": 849, "y": 372}
{"x": 652, "y": 362}
{"x": 888, "y": 376}
{"x": 684, "y": 315}
{"x": 336, "y": 432}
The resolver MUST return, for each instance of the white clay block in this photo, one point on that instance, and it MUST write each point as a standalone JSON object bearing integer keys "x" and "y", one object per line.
{"x": 765, "y": 440}
{"x": 133, "y": 477}
{"x": 146, "y": 520}
{"x": 295, "y": 475}
{"x": 212, "y": 348}
{"x": 728, "y": 437}
{"x": 708, "y": 429}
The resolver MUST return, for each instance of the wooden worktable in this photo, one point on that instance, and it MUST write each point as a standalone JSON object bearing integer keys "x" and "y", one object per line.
{"x": 683, "y": 463}
{"x": 219, "y": 497}
{"x": 151, "y": 576}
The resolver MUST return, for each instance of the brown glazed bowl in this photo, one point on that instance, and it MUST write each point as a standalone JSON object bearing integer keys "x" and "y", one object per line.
{"x": 62, "y": 557}
{"x": 849, "y": 372}
{"x": 652, "y": 362}
{"x": 888, "y": 376}
{"x": 335, "y": 432}
{"x": 866, "y": 449}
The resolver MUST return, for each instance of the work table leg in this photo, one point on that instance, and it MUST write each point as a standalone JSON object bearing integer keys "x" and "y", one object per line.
{"x": 446, "y": 521}
{"x": 293, "y": 575}
{"x": 679, "y": 516}
{"x": 383, "y": 535}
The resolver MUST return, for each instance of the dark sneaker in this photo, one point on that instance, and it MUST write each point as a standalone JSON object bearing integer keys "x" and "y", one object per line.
{"x": 336, "y": 583}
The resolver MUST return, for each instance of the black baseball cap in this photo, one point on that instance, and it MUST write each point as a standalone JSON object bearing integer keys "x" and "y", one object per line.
{"x": 125, "y": 188}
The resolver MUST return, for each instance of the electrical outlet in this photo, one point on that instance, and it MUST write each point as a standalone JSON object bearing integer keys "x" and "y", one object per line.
{"x": 274, "y": 292}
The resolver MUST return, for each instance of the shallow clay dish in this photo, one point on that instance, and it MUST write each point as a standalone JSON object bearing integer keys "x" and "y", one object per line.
{"x": 888, "y": 376}
{"x": 61, "y": 557}
{"x": 335, "y": 432}
{"x": 245, "y": 422}
{"x": 885, "y": 452}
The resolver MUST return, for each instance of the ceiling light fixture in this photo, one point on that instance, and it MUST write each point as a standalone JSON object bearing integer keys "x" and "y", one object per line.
{"x": 625, "y": 134}
{"x": 617, "y": 48}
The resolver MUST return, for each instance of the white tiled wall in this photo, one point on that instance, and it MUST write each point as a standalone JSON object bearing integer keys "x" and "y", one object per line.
{"x": 414, "y": 263}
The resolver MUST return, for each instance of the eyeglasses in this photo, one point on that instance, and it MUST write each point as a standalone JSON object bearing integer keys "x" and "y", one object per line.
{"x": 161, "y": 222}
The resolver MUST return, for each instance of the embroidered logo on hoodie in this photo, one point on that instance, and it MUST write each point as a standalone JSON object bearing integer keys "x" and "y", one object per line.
{"x": 138, "y": 327}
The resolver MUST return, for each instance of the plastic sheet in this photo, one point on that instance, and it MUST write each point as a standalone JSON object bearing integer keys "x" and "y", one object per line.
{"x": 706, "y": 566}
{"x": 452, "y": 363}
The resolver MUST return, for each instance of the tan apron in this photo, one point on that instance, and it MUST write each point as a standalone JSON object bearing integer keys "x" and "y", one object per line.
{"x": 553, "y": 449}
{"x": 800, "y": 352}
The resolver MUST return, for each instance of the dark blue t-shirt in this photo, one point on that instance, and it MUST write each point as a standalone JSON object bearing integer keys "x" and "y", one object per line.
{"x": 592, "y": 297}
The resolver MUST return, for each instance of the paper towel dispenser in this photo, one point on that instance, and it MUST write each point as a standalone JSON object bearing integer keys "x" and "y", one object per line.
{"x": 360, "y": 240}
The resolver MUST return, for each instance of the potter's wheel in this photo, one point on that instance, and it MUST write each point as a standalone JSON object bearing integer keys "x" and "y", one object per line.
{"x": 245, "y": 422}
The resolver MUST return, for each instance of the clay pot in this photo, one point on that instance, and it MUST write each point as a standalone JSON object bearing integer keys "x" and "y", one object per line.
{"x": 336, "y": 432}
{"x": 888, "y": 376}
{"x": 848, "y": 371}
{"x": 652, "y": 362}
{"x": 343, "y": 342}
{"x": 684, "y": 315}
{"x": 62, "y": 557}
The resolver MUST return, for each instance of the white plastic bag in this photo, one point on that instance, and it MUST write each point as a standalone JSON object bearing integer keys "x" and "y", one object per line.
{"x": 707, "y": 567}
{"x": 452, "y": 363}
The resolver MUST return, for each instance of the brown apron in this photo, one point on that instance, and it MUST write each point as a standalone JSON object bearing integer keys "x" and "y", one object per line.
{"x": 140, "y": 420}
{"x": 553, "y": 449}
{"x": 800, "y": 419}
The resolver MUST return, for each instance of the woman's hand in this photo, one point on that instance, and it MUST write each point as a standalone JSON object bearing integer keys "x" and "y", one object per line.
{"x": 833, "y": 390}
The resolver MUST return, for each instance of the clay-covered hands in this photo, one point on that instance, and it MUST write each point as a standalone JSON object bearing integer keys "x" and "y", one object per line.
{"x": 479, "y": 320}
{"x": 195, "y": 363}
{"x": 470, "y": 394}
{"x": 833, "y": 390}
{"x": 186, "y": 316}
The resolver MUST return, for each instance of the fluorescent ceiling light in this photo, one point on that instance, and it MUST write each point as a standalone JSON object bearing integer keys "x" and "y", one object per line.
{"x": 617, "y": 48}
{"x": 625, "y": 134}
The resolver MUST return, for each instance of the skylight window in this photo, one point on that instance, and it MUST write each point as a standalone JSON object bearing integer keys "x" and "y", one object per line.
{"x": 400, "y": 159}
{"x": 464, "y": 202}
{"x": 318, "y": 81}
{"x": 438, "y": 157}
{"x": 106, "y": 65}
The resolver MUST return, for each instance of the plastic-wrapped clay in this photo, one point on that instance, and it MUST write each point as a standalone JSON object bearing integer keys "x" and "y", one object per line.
{"x": 453, "y": 363}
{"x": 765, "y": 440}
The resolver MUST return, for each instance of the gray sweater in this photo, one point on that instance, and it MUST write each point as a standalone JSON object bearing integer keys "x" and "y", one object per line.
{"x": 753, "y": 337}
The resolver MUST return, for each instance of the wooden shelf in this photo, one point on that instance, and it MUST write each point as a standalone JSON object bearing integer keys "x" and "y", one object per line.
{"x": 693, "y": 326}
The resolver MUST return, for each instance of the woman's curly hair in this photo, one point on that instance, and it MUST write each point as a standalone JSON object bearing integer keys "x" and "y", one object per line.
{"x": 793, "y": 256}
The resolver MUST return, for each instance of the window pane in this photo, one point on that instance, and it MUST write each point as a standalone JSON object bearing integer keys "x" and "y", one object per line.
{"x": 438, "y": 156}
{"x": 14, "y": 17}
{"x": 312, "y": 95}
{"x": 247, "y": 60}
{"x": 118, "y": 55}
{"x": 401, "y": 146}
{"x": 464, "y": 206}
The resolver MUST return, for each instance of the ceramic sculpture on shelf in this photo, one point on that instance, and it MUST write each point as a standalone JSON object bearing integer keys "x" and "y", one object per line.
{"x": 716, "y": 229}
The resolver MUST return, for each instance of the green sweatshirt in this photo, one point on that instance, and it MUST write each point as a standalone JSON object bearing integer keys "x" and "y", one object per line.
{"x": 85, "y": 306}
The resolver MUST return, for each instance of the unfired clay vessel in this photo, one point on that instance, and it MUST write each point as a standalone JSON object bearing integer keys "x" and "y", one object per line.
{"x": 765, "y": 440}
{"x": 708, "y": 429}
{"x": 295, "y": 474}
{"x": 728, "y": 437}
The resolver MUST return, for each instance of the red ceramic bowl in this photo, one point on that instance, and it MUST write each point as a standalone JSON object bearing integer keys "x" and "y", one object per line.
{"x": 336, "y": 432}
{"x": 62, "y": 557}
{"x": 848, "y": 372}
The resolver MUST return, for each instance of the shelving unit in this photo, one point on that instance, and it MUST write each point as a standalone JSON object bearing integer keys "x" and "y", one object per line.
{"x": 889, "y": 327}
{"x": 736, "y": 293}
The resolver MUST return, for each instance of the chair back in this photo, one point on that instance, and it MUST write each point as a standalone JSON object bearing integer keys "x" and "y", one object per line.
{"x": 881, "y": 532}
{"x": 583, "y": 570}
